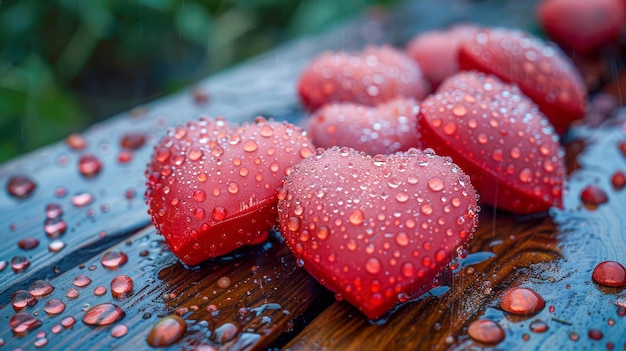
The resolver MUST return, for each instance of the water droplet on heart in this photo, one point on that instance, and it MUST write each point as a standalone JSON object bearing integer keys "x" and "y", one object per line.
{"x": 119, "y": 330}
{"x": 379, "y": 160}
{"x": 218, "y": 213}
{"x": 103, "y": 314}
{"x": 19, "y": 264}
{"x": 121, "y": 286}
{"x": 20, "y": 186}
{"x": 113, "y": 259}
{"x": 538, "y": 326}
{"x": 356, "y": 217}
{"x": 305, "y": 152}
{"x": 515, "y": 153}
{"x": 40, "y": 288}
{"x": 250, "y": 146}
{"x": 76, "y": 141}
{"x": 610, "y": 273}
{"x": 243, "y": 171}
{"x": 133, "y": 141}
{"x": 54, "y": 306}
{"x": 199, "y": 213}
{"x": 373, "y": 265}
{"x": 53, "y": 211}
{"x": 68, "y": 321}
{"x": 56, "y": 245}
{"x": 195, "y": 154}
{"x": 267, "y": 130}
{"x": 485, "y": 331}
{"x": 293, "y": 224}
{"x": 449, "y": 128}
{"x": 322, "y": 232}
{"x": 402, "y": 197}
{"x": 22, "y": 299}
{"x": 28, "y": 243}
{"x": 22, "y": 322}
{"x": 89, "y": 165}
{"x": 435, "y": 184}
{"x": 525, "y": 175}
{"x": 233, "y": 188}
{"x": 522, "y": 301}
{"x": 81, "y": 281}
{"x": 595, "y": 334}
{"x": 274, "y": 167}
{"x": 497, "y": 155}
{"x": 54, "y": 227}
{"x": 592, "y": 196}
{"x": 459, "y": 111}
{"x": 618, "y": 180}
{"x": 167, "y": 331}
{"x": 402, "y": 239}
{"x": 82, "y": 199}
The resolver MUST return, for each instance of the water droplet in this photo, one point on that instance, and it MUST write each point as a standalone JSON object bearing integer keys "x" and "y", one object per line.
{"x": 233, "y": 188}
{"x": 167, "y": 331}
{"x": 223, "y": 282}
{"x": 305, "y": 152}
{"x": 379, "y": 160}
{"x": 53, "y": 211}
{"x": 54, "y": 306}
{"x": 28, "y": 243}
{"x": 199, "y": 213}
{"x": 373, "y": 265}
{"x": 133, "y": 141}
{"x": 22, "y": 322}
{"x": 219, "y": 213}
{"x": 525, "y": 175}
{"x": 103, "y": 314}
{"x": 89, "y": 165}
{"x": 40, "y": 288}
{"x": 119, "y": 330}
{"x": 293, "y": 224}
{"x": 485, "y": 331}
{"x": 54, "y": 227}
{"x": 20, "y": 186}
{"x": 402, "y": 197}
{"x": 618, "y": 180}
{"x": 610, "y": 273}
{"x": 538, "y": 326}
{"x": 72, "y": 293}
{"x": 267, "y": 130}
{"x": 356, "y": 217}
{"x": 592, "y": 196}
{"x": 56, "y": 245}
{"x": 322, "y": 232}
{"x": 449, "y": 128}
{"x": 82, "y": 199}
{"x": 459, "y": 111}
{"x": 19, "y": 264}
{"x": 22, "y": 299}
{"x": 595, "y": 334}
{"x": 522, "y": 301}
{"x": 121, "y": 286}
{"x": 76, "y": 141}
{"x": 226, "y": 332}
{"x": 113, "y": 259}
{"x": 68, "y": 321}
{"x": 195, "y": 154}
{"x": 435, "y": 184}
{"x": 250, "y": 146}
{"x": 81, "y": 281}
{"x": 99, "y": 290}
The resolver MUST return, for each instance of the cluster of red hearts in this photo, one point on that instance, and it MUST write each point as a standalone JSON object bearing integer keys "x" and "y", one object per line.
{"x": 378, "y": 193}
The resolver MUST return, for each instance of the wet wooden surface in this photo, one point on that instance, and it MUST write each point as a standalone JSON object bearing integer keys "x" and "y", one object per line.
{"x": 258, "y": 298}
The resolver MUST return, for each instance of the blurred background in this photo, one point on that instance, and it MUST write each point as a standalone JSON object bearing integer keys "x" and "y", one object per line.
{"x": 66, "y": 64}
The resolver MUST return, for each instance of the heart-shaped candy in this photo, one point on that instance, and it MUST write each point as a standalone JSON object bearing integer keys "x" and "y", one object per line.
{"x": 212, "y": 187}
{"x": 376, "y": 229}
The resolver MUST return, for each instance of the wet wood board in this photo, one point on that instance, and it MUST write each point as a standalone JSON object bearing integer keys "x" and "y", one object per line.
{"x": 259, "y": 298}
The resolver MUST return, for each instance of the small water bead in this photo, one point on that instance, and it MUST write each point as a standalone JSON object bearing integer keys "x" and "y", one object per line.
{"x": 435, "y": 184}
{"x": 449, "y": 128}
{"x": 76, "y": 141}
{"x": 402, "y": 197}
{"x": 618, "y": 180}
{"x": 113, "y": 259}
{"x": 223, "y": 282}
{"x": 53, "y": 211}
{"x": 81, "y": 281}
{"x": 522, "y": 301}
{"x": 121, "y": 286}
{"x": 305, "y": 152}
{"x": 218, "y": 213}
{"x": 22, "y": 322}
{"x": 574, "y": 336}
{"x": 459, "y": 111}
{"x": 119, "y": 330}
{"x": 250, "y": 146}
{"x": 3, "y": 265}
{"x": 485, "y": 331}
{"x": 379, "y": 160}
{"x": 56, "y": 245}
{"x": 19, "y": 264}
{"x": 20, "y": 186}
{"x": 195, "y": 154}
{"x": 199, "y": 213}
{"x": 293, "y": 224}
{"x": 99, "y": 290}
{"x": 233, "y": 188}
{"x": 56, "y": 329}
{"x": 133, "y": 141}
{"x": 54, "y": 227}
{"x": 373, "y": 265}
{"x": 103, "y": 314}
{"x": 28, "y": 243}
{"x": 356, "y": 217}
{"x": 72, "y": 293}
{"x": 40, "y": 342}
{"x": 89, "y": 165}
{"x": 595, "y": 334}
{"x": 40, "y": 288}
{"x": 593, "y": 196}
{"x": 167, "y": 331}
{"x": 54, "y": 306}
{"x": 538, "y": 326}
{"x": 525, "y": 175}
{"x": 610, "y": 273}
{"x": 82, "y": 199}
{"x": 68, "y": 322}
{"x": 22, "y": 299}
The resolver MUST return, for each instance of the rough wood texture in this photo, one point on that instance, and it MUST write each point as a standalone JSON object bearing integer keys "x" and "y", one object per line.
{"x": 267, "y": 293}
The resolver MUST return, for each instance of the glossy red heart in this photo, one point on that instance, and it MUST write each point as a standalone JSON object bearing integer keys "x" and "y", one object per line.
{"x": 212, "y": 186}
{"x": 374, "y": 76}
{"x": 541, "y": 71}
{"x": 499, "y": 137}
{"x": 385, "y": 129}
{"x": 375, "y": 229}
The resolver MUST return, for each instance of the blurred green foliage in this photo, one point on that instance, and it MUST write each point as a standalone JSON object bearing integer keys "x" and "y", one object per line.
{"x": 65, "y": 64}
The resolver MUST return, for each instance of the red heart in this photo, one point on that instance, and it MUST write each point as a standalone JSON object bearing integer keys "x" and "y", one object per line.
{"x": 376, "y": 75}
{"x": 384, "y": 129}
{"x": 212, "y": 187}
{"x": 541, "y": 71}
{"x": 374, "y": 229}
{"x": 498, "y": 136}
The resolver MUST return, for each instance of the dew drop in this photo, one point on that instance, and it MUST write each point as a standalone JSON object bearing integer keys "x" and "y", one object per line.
{"x": 305, "y": 152}
{"x": 22, "y": 322}
{"x": 618, "y": 180}
{"x": 20, "y": 186}
{"x": 223, "y": 282}
{"x": 402, "y": 197}
{"x": 379, "y": 160}
{"x": 402, "y": 239}
{"x": 99, "y": 290}
{"x": 538, "y": 326}
{"x": 28, "y": 243}
{"x": 199, "y": 213}
{"x": 68, "y": 321}
{"x": 89, "y": 165}
{"x": 22, "y": 299}
{"x": 435, "y": 184}
{"x": 54, "y": 306}
{"x": 103, "y": 314}
{"x": 322, "y": 232}
{"x": 459, "y": 111}
{"x": 356, "y": 217}
{"x": 233, "y": 188}
{"x": 610, "y": 273}
{"x": 40, "y": 288}
{"x": 267, "y": 131}
{"x": 522, "y": 301}
{"x": 525, "y": 175}
{"x": 250, "y": 146}
{"x": 82, "y": 199}
{"x": 133, "y": 141}
{"x": 195, "y": 154}
{"x": 485, "y": 331}
{"x": 72, "y": 293}
{"x": 121, "y": 286}
{"x": 167, "y": 331}
{"x": 449, "y": 128}
{"x": 54, "y": 227}
{"x": 293, "y": 224}
{"x": 218, "y": 213}
{"x": 119, "y": 330}
{"x": 595, "y": 334}
{"x": 56, "y": 245}
{"x": 81, "y": 281}
{"x": 593, "y": 196}
{"x": 113, "y": 259}
{"x": 76, "y": 141}
{"x": 373, "y": 265}
{"x": 19, "y": 264}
